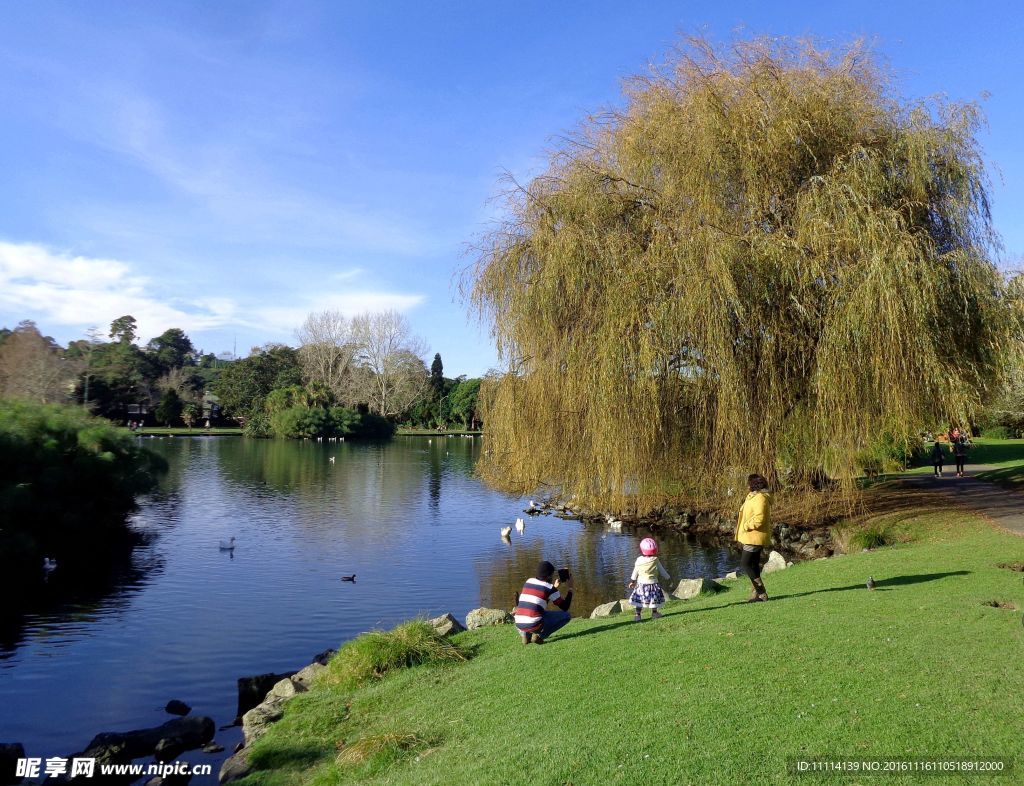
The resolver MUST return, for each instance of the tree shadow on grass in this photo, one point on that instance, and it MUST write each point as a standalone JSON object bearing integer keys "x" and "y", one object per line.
{"x": 892, "y": 581}
{"x": 882, "y": 585}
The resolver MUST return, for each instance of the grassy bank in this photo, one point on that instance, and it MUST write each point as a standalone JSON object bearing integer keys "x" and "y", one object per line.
{"x": 177, "y": 431}
{"x": 717, "y": 691}
{"x": 429, "y": 432}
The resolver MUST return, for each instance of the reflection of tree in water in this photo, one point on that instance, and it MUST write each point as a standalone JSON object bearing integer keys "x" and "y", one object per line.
{"x": 77, "y": 593}
{"x": 372, "y": 490}
{"x": 600, "y": 573}
{"x": 600, "y": 561}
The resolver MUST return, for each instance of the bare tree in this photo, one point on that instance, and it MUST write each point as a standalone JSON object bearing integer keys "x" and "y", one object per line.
{"x": 33, "y": 367}
{"x": 391, "y": 374}
{"x": 327, "y": 347}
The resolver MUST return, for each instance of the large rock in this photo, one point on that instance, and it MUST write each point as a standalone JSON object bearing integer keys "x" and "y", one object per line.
{"x": 121, "y": 747}
{"x": 235, "y": 767}
{"x": 607, "y": 609}
{"x": 304, "y": 677}
{"x": 446, "y": 625}
{"x": 775, "y": 562}
{"x": 253, "y": 690}
{"x": 481, "y": 618}
{"x": 691, "y": 588}
{"x": 10, "y": 752}
{"x": 256, "y": 721}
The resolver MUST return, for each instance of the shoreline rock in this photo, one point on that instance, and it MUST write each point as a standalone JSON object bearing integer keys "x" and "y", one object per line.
{"x": 446, "y": 624}
{"x": 482, "y": 618}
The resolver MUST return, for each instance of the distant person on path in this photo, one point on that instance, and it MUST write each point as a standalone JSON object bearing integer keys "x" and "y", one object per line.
{"x": 647, "y": 593}
{"x": 959, "y": 451}
{"x": 534, "y": 621}
{"x": 754, "y": 532}
{"x": 937, "y": 458}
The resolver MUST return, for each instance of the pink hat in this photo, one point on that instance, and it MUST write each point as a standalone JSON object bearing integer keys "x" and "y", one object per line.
{"x": 648, "y": 547}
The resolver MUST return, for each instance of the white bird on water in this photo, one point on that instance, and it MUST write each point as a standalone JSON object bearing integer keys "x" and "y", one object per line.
{"x": 229, "y": 545}
{"x": 506, "y": 532}
{"x": 331, "y": 459}
{"x": 520, "y": 525}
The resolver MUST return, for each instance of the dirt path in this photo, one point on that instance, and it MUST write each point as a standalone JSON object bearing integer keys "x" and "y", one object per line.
{"x": 1003, "y": 506}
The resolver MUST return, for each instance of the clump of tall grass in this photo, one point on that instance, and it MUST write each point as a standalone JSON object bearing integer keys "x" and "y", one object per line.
{"x": 375, "y": 654}
{"x": 851, "y": 537}
{"x": 381, "y": 749}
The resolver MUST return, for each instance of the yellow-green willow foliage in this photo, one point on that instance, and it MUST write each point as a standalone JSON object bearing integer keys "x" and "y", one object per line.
{"x": 763, "y": 263}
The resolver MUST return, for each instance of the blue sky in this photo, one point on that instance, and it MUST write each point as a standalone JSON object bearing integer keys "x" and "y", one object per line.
{"x": 228, "y": 167}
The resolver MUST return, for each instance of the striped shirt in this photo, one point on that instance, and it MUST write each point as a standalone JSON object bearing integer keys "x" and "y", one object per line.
{"x": 533, "y": 602}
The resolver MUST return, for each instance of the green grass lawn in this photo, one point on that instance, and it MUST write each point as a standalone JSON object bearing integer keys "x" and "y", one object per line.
{"x": 196, "y": 431}
{"x": 429, "y": 432}
{"x": 716, "y": 692}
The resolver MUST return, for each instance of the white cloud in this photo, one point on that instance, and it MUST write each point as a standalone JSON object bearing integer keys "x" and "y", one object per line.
{"x": 61, "y": 289}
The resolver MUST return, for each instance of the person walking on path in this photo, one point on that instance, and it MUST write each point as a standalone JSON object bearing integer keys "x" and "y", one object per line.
{"x": 937, "y": 458}
{"x": 754, "y": 532}
{"x": 647, "y": 593}
{"x": 534, "y": 621}
{"x": 959, "y": 451}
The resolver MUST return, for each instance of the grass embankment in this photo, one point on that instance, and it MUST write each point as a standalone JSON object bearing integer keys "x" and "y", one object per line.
{"x": 717, "y": 691}
{"x": 177, "y": 431}
{"x": 429, "y": 432}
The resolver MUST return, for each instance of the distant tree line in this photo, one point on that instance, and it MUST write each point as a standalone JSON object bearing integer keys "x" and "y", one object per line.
{"x": 358, "y": 376}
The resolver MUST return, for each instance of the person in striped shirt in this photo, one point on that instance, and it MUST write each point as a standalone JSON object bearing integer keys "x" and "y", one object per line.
{"x": 534, "y": 621}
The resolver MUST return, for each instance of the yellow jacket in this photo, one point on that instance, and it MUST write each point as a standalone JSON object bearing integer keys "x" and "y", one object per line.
{"x": 754, "y": 525}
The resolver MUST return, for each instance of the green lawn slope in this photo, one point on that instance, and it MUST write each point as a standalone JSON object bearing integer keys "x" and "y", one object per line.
{"x": 716, "y": 692}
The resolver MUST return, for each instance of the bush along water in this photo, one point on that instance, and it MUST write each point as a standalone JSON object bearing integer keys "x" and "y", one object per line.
{"x": 67, "y": 481}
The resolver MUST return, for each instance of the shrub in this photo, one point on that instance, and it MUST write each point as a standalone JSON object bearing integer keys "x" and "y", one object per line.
{"x": 301, "y": 422}
{"x": 997, "y": 432}
{"x": 67, "y": 479}
{"x": 376, "y": 654}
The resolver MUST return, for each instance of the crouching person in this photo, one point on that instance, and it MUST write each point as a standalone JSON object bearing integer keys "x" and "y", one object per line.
{"x": 532, "y": 617}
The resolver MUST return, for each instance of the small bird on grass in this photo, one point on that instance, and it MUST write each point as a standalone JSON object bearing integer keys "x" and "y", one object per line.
{"x": 871, "y": 582}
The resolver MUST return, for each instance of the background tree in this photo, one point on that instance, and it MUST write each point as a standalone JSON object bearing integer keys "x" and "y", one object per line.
{"x": 171, "y": 349}
{"x": 437, "y": 385}
{"x": 169, "y": 409}
{"x": 32, "y": 367}
{"x": 391, "y": 375}
{"x": 190, "y": 413}
{"x": 327, "y": 347}
{"x": 763, "y": 262}
{"x": 243, "y": 385}
{"x": 123, "y": 329}
{"x": 462, "y": 403}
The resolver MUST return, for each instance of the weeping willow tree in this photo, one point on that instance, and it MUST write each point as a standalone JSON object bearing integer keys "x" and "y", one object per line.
{"x": 766, "y": 261}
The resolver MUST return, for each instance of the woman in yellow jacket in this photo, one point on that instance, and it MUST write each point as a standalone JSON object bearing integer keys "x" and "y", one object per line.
{"x": 754, "y": 532}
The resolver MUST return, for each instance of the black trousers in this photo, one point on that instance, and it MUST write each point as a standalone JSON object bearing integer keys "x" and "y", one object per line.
{"x": 750, "y": 562}
{"x": 960, "y": 463}
{"x": 938, "y": 467}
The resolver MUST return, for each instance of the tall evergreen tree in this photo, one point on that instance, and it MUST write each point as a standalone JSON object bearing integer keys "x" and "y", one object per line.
{"x": 437, "y": 376}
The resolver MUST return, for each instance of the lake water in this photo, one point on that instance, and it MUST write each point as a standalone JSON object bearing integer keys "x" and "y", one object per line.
{"x": 409, "y": 518}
